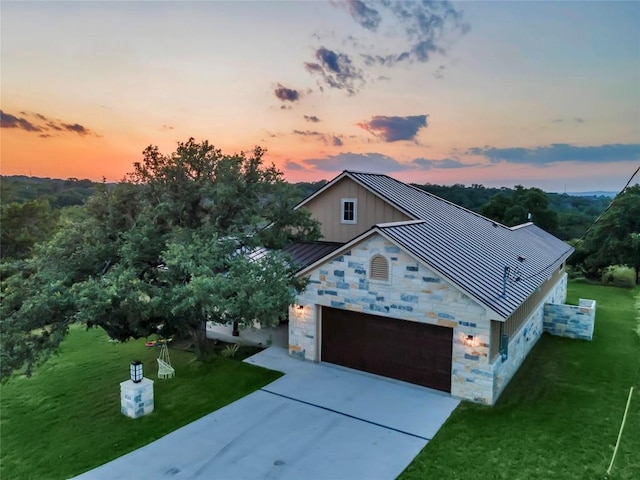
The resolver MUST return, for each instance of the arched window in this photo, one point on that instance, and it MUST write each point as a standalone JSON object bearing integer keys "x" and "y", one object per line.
{"x": 379, "y": 268}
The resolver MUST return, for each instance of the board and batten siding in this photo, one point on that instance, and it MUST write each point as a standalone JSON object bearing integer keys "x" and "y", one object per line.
{"x": 514, "y": 323}
{"x": 371, "y": 210}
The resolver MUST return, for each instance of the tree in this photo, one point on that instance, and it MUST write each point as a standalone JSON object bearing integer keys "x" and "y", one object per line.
{"x": 24, "y": 225}
{"x": 163, "y": 252}
{"x": 614, "y": 239}
{"x": 521, "y": 206}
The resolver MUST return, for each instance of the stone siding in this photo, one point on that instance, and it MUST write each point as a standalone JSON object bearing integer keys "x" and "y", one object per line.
{"x": 413, "y": 292}
{"x": 524, "y": 340}
{"x": 573, "y": 321}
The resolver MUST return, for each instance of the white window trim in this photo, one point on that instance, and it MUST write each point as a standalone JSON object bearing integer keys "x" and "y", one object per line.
{"x": 355, "y": 210}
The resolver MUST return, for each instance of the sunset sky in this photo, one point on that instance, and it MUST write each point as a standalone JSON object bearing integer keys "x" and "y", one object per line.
{"x": 543, "y": 94}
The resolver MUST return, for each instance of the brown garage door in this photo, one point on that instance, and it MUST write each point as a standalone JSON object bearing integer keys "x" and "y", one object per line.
{"x": 410, "y": 351}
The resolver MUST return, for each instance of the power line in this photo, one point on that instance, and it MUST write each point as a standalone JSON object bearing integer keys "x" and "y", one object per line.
{"x": 540, "y": 272}
{"x": 608, "y": 207}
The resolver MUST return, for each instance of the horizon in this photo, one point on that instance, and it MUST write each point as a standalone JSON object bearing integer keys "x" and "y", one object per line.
{"x": 327, "y": 180}
{"x": 444, "y": 93}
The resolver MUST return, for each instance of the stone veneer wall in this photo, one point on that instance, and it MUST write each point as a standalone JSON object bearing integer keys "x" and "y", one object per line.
{"x": 573, "y": 321}
{"x": 524, "y": 340}
{"x": 413, "y": 292}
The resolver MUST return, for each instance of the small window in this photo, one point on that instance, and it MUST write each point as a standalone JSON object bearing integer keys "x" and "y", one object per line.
{"x": 379, "y": 268}
{"x": 349, "y": 210}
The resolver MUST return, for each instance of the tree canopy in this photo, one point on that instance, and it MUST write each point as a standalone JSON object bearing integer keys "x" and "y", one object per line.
{"x": 614, "y": 239}
{"x": 163, "y": 252}
{"x": 521, "y": 206}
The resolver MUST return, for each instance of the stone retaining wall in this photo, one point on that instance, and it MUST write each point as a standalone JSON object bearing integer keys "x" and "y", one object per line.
{"x": 573, "y": 321}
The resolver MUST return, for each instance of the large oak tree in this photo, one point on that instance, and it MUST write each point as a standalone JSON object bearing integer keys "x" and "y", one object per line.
{"x": 162, "y": 252}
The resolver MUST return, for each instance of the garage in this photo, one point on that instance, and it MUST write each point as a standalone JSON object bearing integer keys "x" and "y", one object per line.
{"x": 410, "y": 351}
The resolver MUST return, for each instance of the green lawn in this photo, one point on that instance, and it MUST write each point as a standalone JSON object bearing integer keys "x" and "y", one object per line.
{"x": 560, "y": 415}
{"x": 558, "y": 418}
{"x": 66, "y": 418}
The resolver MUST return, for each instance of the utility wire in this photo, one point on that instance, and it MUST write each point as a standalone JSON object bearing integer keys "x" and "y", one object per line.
{"x": 520, "y": 279}
{"x": 608, "y": 207}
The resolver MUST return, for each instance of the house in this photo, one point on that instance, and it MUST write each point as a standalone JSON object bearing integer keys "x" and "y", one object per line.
{"x": 413, "y": 287}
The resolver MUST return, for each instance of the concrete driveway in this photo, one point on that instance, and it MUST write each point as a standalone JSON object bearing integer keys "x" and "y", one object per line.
{"x": 316, "y": 422}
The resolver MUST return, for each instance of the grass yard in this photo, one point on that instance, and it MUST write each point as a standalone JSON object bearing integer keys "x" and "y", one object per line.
{"x": 66, "y": 418}
{"x": 560, "y": 415}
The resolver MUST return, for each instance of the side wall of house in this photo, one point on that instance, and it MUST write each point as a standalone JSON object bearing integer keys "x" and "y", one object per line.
{"x": 524, "y": 339}
{"x": 326, "y": 208}
{"x": 413, "y": 292}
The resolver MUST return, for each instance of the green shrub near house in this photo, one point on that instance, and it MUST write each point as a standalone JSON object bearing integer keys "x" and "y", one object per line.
{"x": 619, "y": 276}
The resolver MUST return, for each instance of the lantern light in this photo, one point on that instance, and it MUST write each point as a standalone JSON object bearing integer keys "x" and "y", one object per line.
{"x": 136, "y": 371}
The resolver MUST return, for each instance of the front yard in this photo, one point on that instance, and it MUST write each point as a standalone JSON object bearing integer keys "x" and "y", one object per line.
{"x": 66, "y": 419}
{"x": 560, "y": 415}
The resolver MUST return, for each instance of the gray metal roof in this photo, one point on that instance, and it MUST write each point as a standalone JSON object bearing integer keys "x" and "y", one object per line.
{"x": 302, "y": 254}
{"x": 306, "y": 253}
{"x": 472, "y": 253}
{"x": 468, "y": 249}
{"x": 413, "y": 201}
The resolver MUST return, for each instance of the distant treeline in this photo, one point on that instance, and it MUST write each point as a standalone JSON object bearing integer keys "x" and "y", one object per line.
{"x": 566, "y": 216}
{"x": 59, "y": 193}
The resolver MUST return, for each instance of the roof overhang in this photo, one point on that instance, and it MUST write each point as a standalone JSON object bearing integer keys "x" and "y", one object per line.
{"x": 376, "y": 230}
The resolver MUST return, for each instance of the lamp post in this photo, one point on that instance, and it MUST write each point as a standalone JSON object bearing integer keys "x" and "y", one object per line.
{"x": 136, "y": 371}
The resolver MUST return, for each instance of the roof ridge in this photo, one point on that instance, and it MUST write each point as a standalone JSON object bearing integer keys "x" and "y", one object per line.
{"x": 424, "y": 192}
{"x": 400, "y": 223}
{"x": 522, "y": 225}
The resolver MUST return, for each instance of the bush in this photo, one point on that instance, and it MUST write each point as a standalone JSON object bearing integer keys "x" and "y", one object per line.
{"x": 619, "y": 276}
{"x": 638, "y": 316}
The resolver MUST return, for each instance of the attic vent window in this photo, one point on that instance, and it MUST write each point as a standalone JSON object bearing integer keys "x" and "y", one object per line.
{"x": 379, "y": 268}
{"x": 349, "y": 210}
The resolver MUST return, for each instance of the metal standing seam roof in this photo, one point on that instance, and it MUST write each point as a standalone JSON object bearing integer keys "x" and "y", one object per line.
{"x": 302, "y": 254}
{"x": 468, "y": 249}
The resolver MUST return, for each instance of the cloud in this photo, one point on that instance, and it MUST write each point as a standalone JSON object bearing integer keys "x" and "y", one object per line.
{"x": 426, "y": 26}
{"x": 326, "y": 138}
{"x": 11, "y": 121}
{"x": 365, "y": 16}
{"x": 445, "y": 163}
{"x": 575, "y": 119}
{"x": 286, "y": 94}
{"x": 439, "y": 73}
{"x": 291, "y": 165}
{"x": 336, "y": 70}
{"x": 312, "y": 118}
{"x": 370, "y": 162}
{"x": 393, "y": 129}
{"x": 77, "y": 128}
{"x": 378, "y": 163}
{"x": 560, "y": 152}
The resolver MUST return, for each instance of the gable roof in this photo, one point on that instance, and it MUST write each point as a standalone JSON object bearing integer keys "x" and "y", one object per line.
{"x": 412, "y": 201}
{"x": 469, "y": 250}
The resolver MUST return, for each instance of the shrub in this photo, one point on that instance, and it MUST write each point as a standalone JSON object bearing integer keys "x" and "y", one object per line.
{"x": 619, "y": 276}
{"x": 638, "y": 316}
{"x": 230, "y": 350}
